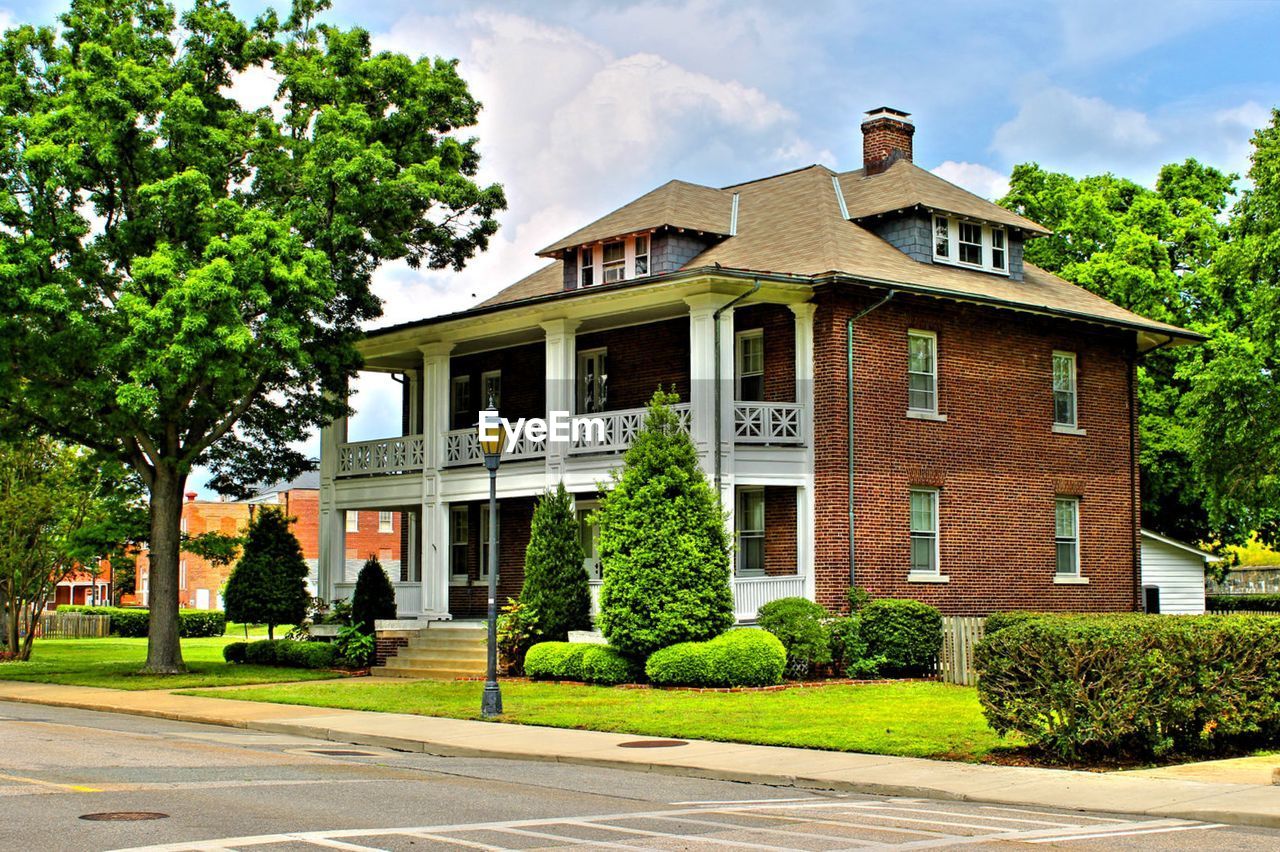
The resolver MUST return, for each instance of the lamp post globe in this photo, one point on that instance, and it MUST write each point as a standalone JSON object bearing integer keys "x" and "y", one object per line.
{"x": 492, "y": 437}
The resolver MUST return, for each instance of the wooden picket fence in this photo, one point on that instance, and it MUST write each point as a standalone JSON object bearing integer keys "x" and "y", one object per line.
{"x": 74, "y": 625}
{"x": 960, "y": 636}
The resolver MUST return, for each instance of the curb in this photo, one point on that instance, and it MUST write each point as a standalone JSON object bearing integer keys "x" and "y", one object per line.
{"x": 997, "y": 792}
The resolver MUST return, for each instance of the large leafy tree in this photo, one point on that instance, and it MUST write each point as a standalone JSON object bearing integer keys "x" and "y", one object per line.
{"x": 182, "y": 280}
{"x": 1152, "y": 251}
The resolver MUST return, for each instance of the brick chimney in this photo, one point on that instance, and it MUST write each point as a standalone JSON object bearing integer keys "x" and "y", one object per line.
{"x": 886, "y": 138}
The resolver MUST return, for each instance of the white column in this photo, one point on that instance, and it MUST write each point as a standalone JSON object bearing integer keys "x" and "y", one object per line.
{"x": 702, "y": 375}
{"x": 562, "y": 381}
{"x": 806, "y": 540}
{"x": 331, "y": 565}
{"x": 434, "y": 512}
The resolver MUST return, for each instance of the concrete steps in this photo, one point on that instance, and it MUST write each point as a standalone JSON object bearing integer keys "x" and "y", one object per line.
{"x": 440, "y": 653}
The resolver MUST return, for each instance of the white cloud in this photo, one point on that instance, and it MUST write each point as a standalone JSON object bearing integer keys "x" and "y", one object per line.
{"x": 975, "y": 177}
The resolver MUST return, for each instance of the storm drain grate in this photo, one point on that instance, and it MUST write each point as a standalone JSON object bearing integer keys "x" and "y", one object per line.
{"x": 124, "y": 816}
{"x": 342, "y": 752}
{"x": 652, "y": 744}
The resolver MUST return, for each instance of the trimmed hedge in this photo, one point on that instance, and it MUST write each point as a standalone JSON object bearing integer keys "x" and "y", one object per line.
{"x": 133, "y": 623}
{"x": 744, "y": 657}
{"x": 998, "y": 621}
{"x": 1242, "y": 603}
{"x": 907, "y": 634}
{"x": 800, "y": 624}
{"x": 609, "y": 666}
{"x": 849, "y": 649}
{"x": 286, "y": 653}
{"x": 555, "y": 660}
{"x": 1134, "y": 685}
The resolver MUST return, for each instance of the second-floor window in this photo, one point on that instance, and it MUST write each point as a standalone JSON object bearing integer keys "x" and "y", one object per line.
{"x": 972, "y": 244}
{"x": 385, "y": 522}
{"x": 750, "y": 523}
{"x": 463, "y": 412}
{"x": 614, "y": 262}
{"x": 353, "y": 522}
{"x": 586, "y": 267}
{"x": 750, "y": 366}
{"x": 491, "y": 389}
{"x": 922, "y": 372}
{"x": 593, "y": 378}
{"x": 1064, "y": 389}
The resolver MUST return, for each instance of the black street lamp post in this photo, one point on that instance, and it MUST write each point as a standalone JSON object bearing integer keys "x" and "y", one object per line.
{"x": 491, "y": 442}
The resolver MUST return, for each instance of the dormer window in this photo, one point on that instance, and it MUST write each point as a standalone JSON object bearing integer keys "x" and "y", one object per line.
{"x": 966, "y": 243}
{"x": 614, "y": 261}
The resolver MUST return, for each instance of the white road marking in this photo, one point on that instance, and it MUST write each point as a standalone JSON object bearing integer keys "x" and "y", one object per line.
{"x": 741, "y": 844}
{"x": 1048, "y": 813}
{"x": 564, "y": 839}
{"x": 725, "y": 826}
{"x": 1207, "y": 827}
{"x": 752, "y": 801}
{"x": 873, "y": 807}
{"x": 458, "y": 841}
{"x": 328, "y": 843}
{"x": 841, "y": 823}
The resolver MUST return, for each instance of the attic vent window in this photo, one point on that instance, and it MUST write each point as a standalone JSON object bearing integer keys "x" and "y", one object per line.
{"x": 615, "y": 262}
{"x": 971, "y": 244}
{"x": 588, "y": 268}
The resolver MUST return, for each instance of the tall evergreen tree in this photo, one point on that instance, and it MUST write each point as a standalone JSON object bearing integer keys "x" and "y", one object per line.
{"x": 555, "y": 584}
{"x": 663, "y": 544}
{"x": 269, "y": 583}
{"x": 374, "y": 598}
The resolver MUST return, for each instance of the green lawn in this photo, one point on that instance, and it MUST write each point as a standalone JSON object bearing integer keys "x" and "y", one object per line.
{"x": 910, "y": 718}
{"x": 114, "y": 663}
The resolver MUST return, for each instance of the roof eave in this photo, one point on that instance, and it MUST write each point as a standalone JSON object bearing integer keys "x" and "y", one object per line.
{"x": 1030, "y": 228}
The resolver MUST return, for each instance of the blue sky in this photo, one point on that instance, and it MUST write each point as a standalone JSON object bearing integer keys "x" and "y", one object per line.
{"x": 590, "y": 104}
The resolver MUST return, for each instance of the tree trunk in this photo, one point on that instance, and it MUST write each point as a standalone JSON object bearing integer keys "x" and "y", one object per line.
{"x": 164, "y": 652}
{"x": 271, "y": 631}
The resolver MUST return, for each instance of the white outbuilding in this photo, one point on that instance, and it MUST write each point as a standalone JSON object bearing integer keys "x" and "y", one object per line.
{"x": 1172, "y": 575}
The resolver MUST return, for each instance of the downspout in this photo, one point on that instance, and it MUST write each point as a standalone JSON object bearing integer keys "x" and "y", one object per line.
{"x": 849, "y": 392}
{"x": 719, "y": 426}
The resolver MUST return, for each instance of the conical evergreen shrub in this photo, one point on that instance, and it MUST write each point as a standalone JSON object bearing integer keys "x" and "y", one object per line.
{"x": 269, "y": 583}
{"x": 663, "y": 544}
{"x": 555, "y": 584}
{"x": 374, "y": 598}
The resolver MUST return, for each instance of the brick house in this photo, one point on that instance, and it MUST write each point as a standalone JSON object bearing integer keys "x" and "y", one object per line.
{"x": 200, "y": 582}
{"x": 883, "y": 392}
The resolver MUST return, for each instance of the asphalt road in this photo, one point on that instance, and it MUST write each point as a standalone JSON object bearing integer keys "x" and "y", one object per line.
{"x": 221, "y": 788}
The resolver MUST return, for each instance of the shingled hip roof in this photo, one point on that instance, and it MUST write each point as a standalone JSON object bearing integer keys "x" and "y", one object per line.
{"x": 675, "y": 204}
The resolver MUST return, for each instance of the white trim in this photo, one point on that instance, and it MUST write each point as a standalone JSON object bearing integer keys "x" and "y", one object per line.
{"x": 835, "y": 184}
{"x": 912, "y": 533}
{"x": 733, "y": 216}
{"x": 1074, "y": 391}
{"x": 919, "y": 577}
{"x": 1078, "y": 574}
{"x": 744, "y": 491}
{"x": 1181, "y": 545}
{"x": 932, "y": 337}
{"x": 1070, "y": 580}
{"x": 952, "y": 257}
{"x": 934, "y": 416}
{"x": 390, "y": 522}
{"x": 1063, "y": 429}
{"x": 351, "y": 520}
{"x": 580, "y": 392}
{"x": 738, "y": 339}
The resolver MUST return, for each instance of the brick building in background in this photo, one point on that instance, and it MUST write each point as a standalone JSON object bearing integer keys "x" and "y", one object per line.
{"x": 200, "y": 582}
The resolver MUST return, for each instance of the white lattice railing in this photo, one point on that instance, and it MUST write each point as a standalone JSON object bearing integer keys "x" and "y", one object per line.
{"x": 620, "y": 429}
{"x": 462, "y": 447}
{"x": 385, "y": 455}
{"x": 749, "y": 593}
{"x": 768, "y": 423}
{"x": 408, "y": 596}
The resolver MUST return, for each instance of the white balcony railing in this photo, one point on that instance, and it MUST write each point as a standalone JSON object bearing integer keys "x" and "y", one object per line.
{"x": 749, "y": 593}
{"x": 385, "y": 455}
{"x": 462, "y": 447}
{"x": 768, "y": 423}
{"x": 620, "y": 430}
{"x": 408, "y": 596}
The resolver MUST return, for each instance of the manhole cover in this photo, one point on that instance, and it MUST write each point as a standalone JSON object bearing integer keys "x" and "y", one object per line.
{"x": 124, "y": 816}
{"x": 652, "y": 744}
{"x": 341, "y": 752}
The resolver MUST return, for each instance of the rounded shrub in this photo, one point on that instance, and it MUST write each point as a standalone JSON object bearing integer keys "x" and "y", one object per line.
{"x": 262, "y": 652}
{"x": 907, "y": 634}
{"x": 800, "y": 624}
{"x": 745, "y": 657}
{"x": 849, "y": 649}
{"x": 234, "y": 652}
{"x": 374, "y": 598}
{"x": 608, "y": 666}
{"x": 306, "y": 655}
{"x": 681, "y": 664}
{"x": 555, "y": 660}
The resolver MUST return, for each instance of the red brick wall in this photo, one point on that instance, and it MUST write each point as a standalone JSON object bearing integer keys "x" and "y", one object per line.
{"x": 304, "y": 507}
{"x": 524, "y": 387}
{"x": 369, "y": 542}
{"x": 997, "y": 462}
{"x": 779, "y": 530}
{"x": 778, "y": 324}
{"x": 514, "y": 518}
{"x": 642, "y": 357}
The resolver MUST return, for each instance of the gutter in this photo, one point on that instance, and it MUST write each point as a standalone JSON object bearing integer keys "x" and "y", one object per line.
{"x": 719, "y": 426}
{"x": 849, "y": 413}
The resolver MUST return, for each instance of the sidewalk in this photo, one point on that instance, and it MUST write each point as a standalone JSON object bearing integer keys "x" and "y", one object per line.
{"x": 1147, "y": 793}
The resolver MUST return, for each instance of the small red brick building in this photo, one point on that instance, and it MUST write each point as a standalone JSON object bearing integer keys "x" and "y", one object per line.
{"x": 884, "y": 393}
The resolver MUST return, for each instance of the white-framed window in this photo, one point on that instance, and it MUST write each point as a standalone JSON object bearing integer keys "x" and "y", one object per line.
{"x": 183, "y": 524}
{"x": 586, "y": 267}
{"x": 460, "y": 402}
{"x": 1066, "y": 536}
{"x": 750, "y": 366}
{"x": 589, "y": 538}
{"x": 613, "y": 262}
{"x": 385, "y": 522}
{"x": 593, "y": 381}
{"x": 641, "y": 262}
{"x": 491, "y": 389}
{"x": 353, "y": 521}
{"x": 1064, "y": 389}
{"x": 968, "y": 243}
{"x": 485, "y": 520}
{"x": 182, "y": 574}
{"x": 924, "y": 531}
{"x": 749, "y": 521}
{"x": 922, "y": 371}
{"x": 459, "y": 539}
